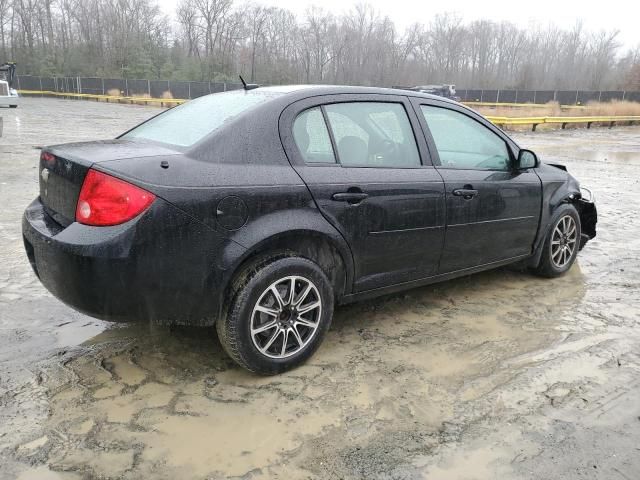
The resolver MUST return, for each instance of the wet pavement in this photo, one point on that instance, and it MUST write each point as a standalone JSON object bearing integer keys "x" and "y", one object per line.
{"x": 496, "y": 375}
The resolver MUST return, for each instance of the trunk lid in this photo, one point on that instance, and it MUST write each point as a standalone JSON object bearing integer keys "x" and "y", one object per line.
{"x": 62, "y": 175}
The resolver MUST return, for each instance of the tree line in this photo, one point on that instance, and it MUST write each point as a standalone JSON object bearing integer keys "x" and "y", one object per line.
{"x": 219, "y": 39}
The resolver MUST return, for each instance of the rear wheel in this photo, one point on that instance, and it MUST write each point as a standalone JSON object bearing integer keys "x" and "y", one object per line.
{"x": 278, "y": 317}
{"x": 13, "y": 106}
{"x": 562, "y": 243}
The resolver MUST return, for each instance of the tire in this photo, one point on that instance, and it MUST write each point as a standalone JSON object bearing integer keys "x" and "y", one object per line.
{"x": 554, "y": 263}
{"x": 257, "y": 324}
{"x": 13, "y": 106}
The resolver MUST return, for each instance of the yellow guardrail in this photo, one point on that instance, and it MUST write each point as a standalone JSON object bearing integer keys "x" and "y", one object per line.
{"x": 520, "y": 105}
{"x": 177, "y": 101}
{"x": 500, "y": 121}
{"x": 106, "y": 98}
{"x": 564, "y": 121}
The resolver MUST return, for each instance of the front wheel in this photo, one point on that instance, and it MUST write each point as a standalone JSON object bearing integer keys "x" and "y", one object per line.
{"x": 562, "y": 243}
{"x": 278, "y": 317}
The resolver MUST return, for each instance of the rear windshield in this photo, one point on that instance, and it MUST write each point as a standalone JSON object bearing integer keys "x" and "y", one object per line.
{"x": 190, "y": 122}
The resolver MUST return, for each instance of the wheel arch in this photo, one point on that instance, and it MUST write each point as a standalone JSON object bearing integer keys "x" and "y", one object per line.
{"x": 330, "y": 254}
{"x": 565, "y": 197}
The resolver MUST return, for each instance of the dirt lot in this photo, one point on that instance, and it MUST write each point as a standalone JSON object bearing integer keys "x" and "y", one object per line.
{"x": 497, "y": 375}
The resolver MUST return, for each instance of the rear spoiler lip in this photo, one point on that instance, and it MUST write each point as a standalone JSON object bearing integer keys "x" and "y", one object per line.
{"x": 89, "y": 153}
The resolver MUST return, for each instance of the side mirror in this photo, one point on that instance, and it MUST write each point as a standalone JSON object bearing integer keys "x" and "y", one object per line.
{"x": 527, "y": 159}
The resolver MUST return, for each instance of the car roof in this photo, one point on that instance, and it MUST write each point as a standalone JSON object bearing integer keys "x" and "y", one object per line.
{"x": 304, "y": 91}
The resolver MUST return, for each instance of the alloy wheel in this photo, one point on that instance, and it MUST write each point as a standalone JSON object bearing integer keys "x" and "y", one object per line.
{"x": 564, "y": 241}
{"x": 286, "y": 317}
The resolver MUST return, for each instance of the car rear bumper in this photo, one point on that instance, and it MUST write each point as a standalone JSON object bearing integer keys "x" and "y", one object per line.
{"x": 8, "y": 100}
{"x": 162, "y": 266}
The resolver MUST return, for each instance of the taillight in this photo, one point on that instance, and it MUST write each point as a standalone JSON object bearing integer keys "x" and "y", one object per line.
{"x": 106, "y": 200}
{"x": 48, "y": 158}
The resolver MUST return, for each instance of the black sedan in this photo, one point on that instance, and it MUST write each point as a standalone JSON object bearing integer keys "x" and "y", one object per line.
{"x": 260, "y": 210}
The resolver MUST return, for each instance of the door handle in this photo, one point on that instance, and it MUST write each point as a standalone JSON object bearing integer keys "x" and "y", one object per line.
{"x": 466, "y": 193}
{"x": 350, "y": 197}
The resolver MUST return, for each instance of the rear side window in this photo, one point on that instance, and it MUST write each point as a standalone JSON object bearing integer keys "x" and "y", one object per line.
{"x": 192, "y": 121}
{"x": 464, "y": 143}
{"x": 312, "y": 137}
{"x": 373, "y": 134}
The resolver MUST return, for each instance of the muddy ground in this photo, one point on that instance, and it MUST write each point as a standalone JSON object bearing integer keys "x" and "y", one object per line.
{"x": 497, "y": 375}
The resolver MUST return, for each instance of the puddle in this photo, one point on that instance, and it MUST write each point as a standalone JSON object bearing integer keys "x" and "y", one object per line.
{"x": 179, "y": 402}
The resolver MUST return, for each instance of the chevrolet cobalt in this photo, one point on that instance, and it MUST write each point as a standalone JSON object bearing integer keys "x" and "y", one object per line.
{"x": 259, "y": 210}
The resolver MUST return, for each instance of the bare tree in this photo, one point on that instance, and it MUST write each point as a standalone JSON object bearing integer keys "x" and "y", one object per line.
{"x": 217, "y": 39}
{"x": 258, "y": 20}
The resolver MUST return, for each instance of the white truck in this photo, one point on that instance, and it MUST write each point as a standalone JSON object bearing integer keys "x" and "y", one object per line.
{"x": 8, "y": 95}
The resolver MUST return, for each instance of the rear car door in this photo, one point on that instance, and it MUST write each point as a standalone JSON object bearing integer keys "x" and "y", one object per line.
{"x": 493, "y": 210}
{"x": 371, "y": 177}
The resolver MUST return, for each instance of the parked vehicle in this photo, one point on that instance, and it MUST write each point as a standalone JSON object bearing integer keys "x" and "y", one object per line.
{"x": 260, "y": 210}
{"x": 446, "y": 90}
{"x": 8, "y": 94}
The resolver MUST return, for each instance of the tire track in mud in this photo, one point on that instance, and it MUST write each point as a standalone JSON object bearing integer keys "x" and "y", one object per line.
{"x": 343, "y": 386}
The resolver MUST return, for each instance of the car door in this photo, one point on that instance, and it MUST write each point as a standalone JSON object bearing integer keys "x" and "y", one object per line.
{"x": 493, "y": 210}
{"x": 371, "y": 177}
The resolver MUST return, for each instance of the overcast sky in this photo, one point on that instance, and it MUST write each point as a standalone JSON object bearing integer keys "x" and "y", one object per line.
{"x": 611, "y": 14}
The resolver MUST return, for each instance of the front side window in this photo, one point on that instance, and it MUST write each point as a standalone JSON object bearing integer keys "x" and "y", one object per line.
{"x": 190, "y": 122}
{"x": 312, "y": 138}
{"x": 464, "y": 143}
{"x": 373, "y": 134}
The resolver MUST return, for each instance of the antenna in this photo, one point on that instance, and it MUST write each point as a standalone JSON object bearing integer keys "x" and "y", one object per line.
{"x": 248, "y": 86}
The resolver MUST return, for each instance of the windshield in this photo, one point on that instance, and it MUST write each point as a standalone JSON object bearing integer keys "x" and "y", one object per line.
{"x": 190, "y": 122}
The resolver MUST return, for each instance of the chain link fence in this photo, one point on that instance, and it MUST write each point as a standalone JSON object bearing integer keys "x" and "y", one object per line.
{"x": 123, "y": 86}
{"x": 180, "y": 89}
{"x": 563, "y": 97}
